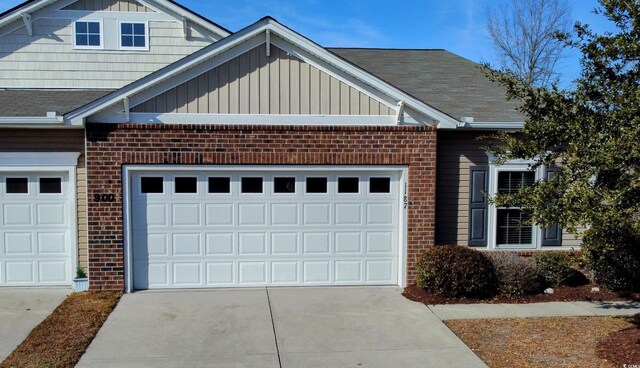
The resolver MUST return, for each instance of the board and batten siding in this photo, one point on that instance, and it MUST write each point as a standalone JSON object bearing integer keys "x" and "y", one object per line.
{"x": 25, "y": 140}
{"x": 253, "y": 83}
{"x": 109, "y": 5}
{"x": 457, "y": 152}
{"x": 48, "y": 59}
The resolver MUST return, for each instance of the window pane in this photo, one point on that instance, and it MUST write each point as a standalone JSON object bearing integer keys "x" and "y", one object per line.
{"x": 81, "y": 27}
{"x": 284, "y": 185}
{"x": 251, "y": 185}
{"x": 82, "y": 40}
{"x": 512, "y": 227}
{"x": 17, "y": 185}
{"x": 138, "y": 28}
{"x": 152, "y": 185}
{"x": 50, "y": 185}
{"x": 127, "y": 41}
{"x": 94, "y": 27}
{"x": 139, "y": 41}
{"x": 379, "y": 185}
{"x": 126, "y": 28}
{"x": 186, "y": 185}
{"x": 510, "y": 181}
{"x": 94, "y": 40}
{"x": 219, "y": 185}
{"x": 316, "y": 185}
{"x": 348, "y": 185}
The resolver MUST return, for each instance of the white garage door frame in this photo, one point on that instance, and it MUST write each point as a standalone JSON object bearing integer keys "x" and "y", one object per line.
{"x": 44, "y": 163}
{"x": 129, "y": 170}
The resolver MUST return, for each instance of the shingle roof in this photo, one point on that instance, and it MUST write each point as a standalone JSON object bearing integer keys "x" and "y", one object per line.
{"x": 439, "y": 78}
{"x": 36, "y": 103}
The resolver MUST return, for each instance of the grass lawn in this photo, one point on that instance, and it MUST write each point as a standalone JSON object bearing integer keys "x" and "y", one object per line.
{"x": 552, "y": 342}
{"x": 62, "y": 338}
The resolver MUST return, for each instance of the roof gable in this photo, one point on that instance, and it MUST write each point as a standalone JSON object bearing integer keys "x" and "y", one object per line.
{"x": 108, "y": 5}
{"x": 266, "y": 31}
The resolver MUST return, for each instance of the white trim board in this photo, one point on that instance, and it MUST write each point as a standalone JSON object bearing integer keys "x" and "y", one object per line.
{"x": 237, "y": 119}
{"x": 128, "y": 170}
{"x": 245, "y": 40}
{"x": 41, "y": 160}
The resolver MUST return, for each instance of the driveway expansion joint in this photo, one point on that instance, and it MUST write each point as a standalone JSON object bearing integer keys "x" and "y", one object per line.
{"x": 273, "y": 324}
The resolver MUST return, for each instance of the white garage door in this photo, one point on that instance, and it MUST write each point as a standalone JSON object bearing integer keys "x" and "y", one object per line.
{"x": 35, "y": 238}
{"x": 221, "y": 229}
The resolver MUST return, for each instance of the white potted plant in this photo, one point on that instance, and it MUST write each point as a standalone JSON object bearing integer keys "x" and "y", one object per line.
{"x": 81, "y": 282}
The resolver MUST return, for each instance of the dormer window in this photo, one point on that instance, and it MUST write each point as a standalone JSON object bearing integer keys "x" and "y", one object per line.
{"x": 134, "y": 36}
{"x": 88, "y": 35}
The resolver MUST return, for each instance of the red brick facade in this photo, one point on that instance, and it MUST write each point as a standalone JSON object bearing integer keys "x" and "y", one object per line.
{"x": 109, "y": 147}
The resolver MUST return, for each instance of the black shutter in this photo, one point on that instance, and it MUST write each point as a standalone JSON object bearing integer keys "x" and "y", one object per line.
{"x": 552, "y": 235}
{"x": 478, "y": 205}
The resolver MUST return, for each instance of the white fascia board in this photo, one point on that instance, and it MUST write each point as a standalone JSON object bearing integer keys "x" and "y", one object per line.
{"x": 22, "y": 159}
{"x": 254, "y": 119}
{"x": 508, "y": 125}
{"x": 28, "y": 121}
{"x": 245, "y": 36}
{"x": 27, "y": 9}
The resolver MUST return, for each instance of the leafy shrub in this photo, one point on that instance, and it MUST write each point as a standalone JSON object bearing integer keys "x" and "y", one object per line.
{"x": 557, "y": 269}
{"x": 517, "y": 276}
{"x": 613, "y": 255}
{"x": 456, "y": 271}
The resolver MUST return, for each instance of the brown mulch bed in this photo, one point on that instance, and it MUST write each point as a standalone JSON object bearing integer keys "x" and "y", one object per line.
{"x": 622, "y": 347}
{"x": 62, "y": 338}
{"x": 561, "y": 294}
{"x": 541, "y": 342}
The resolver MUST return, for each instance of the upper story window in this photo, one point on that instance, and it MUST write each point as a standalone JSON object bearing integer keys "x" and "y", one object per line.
{"x": 134, "y": 36}
{"x": 88, "y": 35}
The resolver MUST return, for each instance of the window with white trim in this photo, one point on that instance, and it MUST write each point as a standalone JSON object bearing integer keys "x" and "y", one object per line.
{"x": 512, "y": 227}
{"x": 134, "y": 36}
{"x": 88, "y": 34}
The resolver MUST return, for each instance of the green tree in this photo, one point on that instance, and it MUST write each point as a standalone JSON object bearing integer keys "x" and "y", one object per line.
{"x": 593, "y": 133}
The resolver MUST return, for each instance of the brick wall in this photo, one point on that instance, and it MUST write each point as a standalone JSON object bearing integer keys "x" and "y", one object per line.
{"x": 111, "y": 146}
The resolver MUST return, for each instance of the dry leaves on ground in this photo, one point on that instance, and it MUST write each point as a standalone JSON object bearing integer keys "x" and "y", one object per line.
{"x": 539, "y": 342}
{"x": 62, "y": 338}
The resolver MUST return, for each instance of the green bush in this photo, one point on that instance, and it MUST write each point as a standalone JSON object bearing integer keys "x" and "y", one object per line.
{"x": 456, "y": 271}
{"x": 558, "y": 269}
{"x": 517, "y": 276}
{"x": 613, "y": 255}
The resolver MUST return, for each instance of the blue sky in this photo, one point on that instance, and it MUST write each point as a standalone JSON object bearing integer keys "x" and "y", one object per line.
{"x": 457, "y": 26}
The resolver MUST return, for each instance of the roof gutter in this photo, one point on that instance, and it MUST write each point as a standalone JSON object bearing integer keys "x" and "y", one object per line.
{"x": 508, "y": 125}
{"x": 52, "y": 120}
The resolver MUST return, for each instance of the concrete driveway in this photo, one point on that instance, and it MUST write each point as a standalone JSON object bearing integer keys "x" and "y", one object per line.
{"x": 23, "y": 309}
{"x": 310, "y": 327}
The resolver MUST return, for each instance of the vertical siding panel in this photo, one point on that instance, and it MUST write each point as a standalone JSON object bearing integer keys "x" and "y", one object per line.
{"x": 171, "y": 100}
{"x": 244, "y": 94}
{"x": 365, "y": 102}
{"x": 345, "y": 95}
{"x": 254, "y": 82}
{"x": 294, "y": 87}
{"x": 335, "y": 96}
{"x": 161, "y": 103}
{"x": 274, "y": 78}
{"x": 263, "y": 67}
{"x": 214, "y": 107}
{"x": 285, "y": 108}
{"x": 374, "y": 107}
{"x": 203, "y": 99}
{"x": 315, "y": 86}
{"x": 305, "y": 89}
{"x": 354, "y": 101}
{"x": 223, "y": 82}
{"x": 192, "y": 96}
{"x": 181, "y": 98}
{"x": 234, "y": 87}
{"x": 325, "y": 93}
{"x": 150, "y": 105}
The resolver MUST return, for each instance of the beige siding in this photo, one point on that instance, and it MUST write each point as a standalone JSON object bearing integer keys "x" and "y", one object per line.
{"x": 108, "y": 5}
{"x": 48, "y": 59}
{"x": 255, "y": 84}
{"x": 12, "y": 140}
{"x": 457, "y": 152}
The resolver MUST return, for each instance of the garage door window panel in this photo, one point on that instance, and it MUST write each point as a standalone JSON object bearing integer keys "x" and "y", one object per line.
{"x": 50, "y": 185}
{"x": 17, "y": 185}
{"x": 152, "y": 185}
{"x": 316, "y": 185}
{"x": 284, "y": 185}
{"x": 186, "y": 185}
{"x": 348, "y": 185}
{"x": 379, "y": 185}
{"x": 219, "y": 185}
{"x": 252, "y": 185}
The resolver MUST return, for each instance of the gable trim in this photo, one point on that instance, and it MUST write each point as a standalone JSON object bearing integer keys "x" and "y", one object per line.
{"x": 255, "y": 35}
{"x": 240, "y": 119}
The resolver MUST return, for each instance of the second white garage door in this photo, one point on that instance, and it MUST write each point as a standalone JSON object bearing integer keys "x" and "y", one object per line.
{"x": 256, "y": 228}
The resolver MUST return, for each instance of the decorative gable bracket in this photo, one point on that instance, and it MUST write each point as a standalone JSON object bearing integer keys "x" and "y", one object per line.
{"x": 26, "y": 18}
